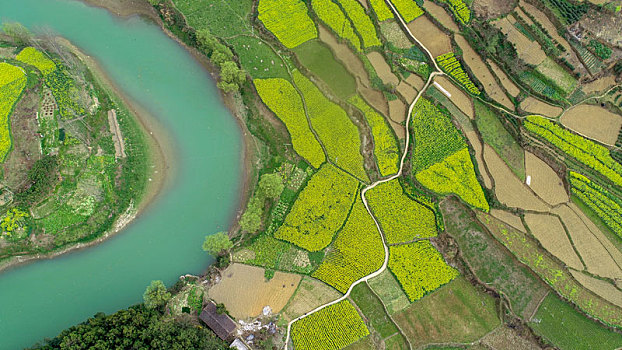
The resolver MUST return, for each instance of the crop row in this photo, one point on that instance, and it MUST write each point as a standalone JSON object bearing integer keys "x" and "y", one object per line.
{"x": 402, "y": 219}
{"x": 382, "y": 10}
{"x": 332, "y": 328}
{"x": 461, "y": 11}
{"x": 288, "y": 20}
{"x": 12, "y": 83}
{"x": 452, "y": 66}
{"x": 362, "y": 22}
{"x": 419, "y": 268}
{"x": 585, "y": 151}
{"x": 455, "y": 174}
{"x": 320, "y": 210}
{"x": 36, "y": 58}
{"x": 386, "y": 149}
{"x": 331, "y": 14}
{"x": 283, "y": 99}
{"x": 607, "y": 206}
{"x": 356, "y": 252}
{"x": 336, "y": 131}
{"x": 408, "y": 9}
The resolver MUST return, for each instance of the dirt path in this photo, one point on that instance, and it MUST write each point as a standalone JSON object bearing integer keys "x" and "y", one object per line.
{"x": 438, "y": 72}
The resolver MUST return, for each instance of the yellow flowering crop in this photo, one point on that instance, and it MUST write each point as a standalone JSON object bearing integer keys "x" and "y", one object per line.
{"x": 12, "y": 83}
{"x": 288, "y": 20}
{"x": 331, "y": 14}
{"x": 382, "y": 10}
{"x": 362, "y": 22}
{"x": 408, "y": 9}
{"x": 452, "y": 66}
{"x": 36, "y": 58}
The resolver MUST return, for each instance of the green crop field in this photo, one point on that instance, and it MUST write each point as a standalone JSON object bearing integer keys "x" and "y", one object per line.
{"x": 331, "y": 14}
{"x": 258, "y": 59}
{"x": 223, "y": 18}
{"x": 288, "y": 20}
{"x": 372, "y": 309}
{"x": 362, "y": 23}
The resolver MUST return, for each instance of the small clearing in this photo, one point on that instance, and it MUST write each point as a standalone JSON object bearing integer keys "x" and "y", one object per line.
{"x": 594, "y": 122}
{"x": 397, "y": 111}
{"x": 117, "y": 136}
{"x": 551, "y": 234}
{"x": 505, "y": 337}
{"x": 245, "y": 292}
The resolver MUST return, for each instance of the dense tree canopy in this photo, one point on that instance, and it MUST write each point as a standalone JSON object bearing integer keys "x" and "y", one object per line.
{"x": 217, "y": 243}
{"x": 156, "y": 295}
{"x": 271, "y": 185}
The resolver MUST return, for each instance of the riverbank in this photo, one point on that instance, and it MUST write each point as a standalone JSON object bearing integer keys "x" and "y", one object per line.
{"x": 233, "y": 102}
{"x": 159, "y": 150}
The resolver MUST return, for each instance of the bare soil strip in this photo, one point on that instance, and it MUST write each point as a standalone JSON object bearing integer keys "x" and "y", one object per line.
{"x": 507, "y": 83}
{"x": 594, "y": 122}
{"x": 430, "y": 36}
{"x": 544, "y": 180}
{"x": 382, "y": 68}
{"x": 549, "y": 231}
{"x": 602, "y": 288}
{"x": 441, "y": 15}
{"x": 509, "y": 218}
{"x": 458, "y": 97}
{"x": 533, "y": 105}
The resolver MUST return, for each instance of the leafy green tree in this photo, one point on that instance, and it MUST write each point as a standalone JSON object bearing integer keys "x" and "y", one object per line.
{"x": 156, "y": 295}
{"x": 271, "y": 185}
{"x": 217, "y": 243}
{"x": 251, "y": 219}
{"x": 230, "y": 73}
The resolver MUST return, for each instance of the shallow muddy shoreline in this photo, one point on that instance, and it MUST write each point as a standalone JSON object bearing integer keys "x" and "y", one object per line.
{"x": 160, "y": 167}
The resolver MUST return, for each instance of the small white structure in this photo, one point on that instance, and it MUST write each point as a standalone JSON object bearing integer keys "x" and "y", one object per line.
{"x": 239, "y": 345}
{"x": 528, "y": 180}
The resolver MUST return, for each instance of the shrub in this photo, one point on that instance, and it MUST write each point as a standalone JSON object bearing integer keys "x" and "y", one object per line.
{"x": 419, "y": 268}
{"x": 288, "y": 20}
{"x": 334, "y": 327}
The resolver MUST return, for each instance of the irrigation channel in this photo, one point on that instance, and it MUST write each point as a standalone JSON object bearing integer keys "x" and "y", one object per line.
{"x": 39, "y": 299}
{"x": 369, "y": 187}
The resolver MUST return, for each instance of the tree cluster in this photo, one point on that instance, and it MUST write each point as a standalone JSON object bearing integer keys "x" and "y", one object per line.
{"x": 41, "y": 180}
{"x": 231, "y": 76}
{"x": 270, "y": 187}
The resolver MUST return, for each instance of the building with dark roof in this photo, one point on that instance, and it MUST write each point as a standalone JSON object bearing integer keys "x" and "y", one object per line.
{"x": 221, "y": 324}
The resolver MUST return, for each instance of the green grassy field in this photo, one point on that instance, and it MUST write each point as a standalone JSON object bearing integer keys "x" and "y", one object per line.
{"x": 495, "y": 134}
{"x": 389, "y": 291}
{"x": 223, "y": 18}
{"x": 258, "y": 59}
{"x": 318, "y": 58}
{"x": 434, "y": 318}
{"x": 372, "y": 308}
{"x": 563, "y": 326}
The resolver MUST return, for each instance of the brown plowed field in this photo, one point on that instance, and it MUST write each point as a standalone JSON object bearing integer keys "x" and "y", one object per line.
{"x": 551, "y": 234}
{"x": 544, "y": 181}
{"x": 594, "y": 122}
{"x": 430, "y": 36}
{"x": 536, "y": 106}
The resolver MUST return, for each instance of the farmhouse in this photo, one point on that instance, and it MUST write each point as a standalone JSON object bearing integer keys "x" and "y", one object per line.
{"x": 221, "y": 324}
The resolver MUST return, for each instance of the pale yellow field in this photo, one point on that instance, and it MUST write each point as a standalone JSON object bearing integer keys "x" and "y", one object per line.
{"x": 476, "y": 143}
{"x": 508, "y": 84}
{"x": 615, "y": 254}
{"x": 601, "y": 288}
{"x": 382, "y": 68}
{"x": 508, "y": 218}
{"x": 528, "y": 51}
{"x": 430, "y": 36}
{"x": 394, "y": 34}
{"x": 594, "y": 122}
{"x": 415, "y": 81}
{"x": 598, "y": 85}
{"x": 440, "y": 15}
{"x": 406, "y": 91}
{"x": 310, "y": 294}
{"x": 551, "y": 234}
{"x": 397, "y": 111}
{"x": 544, "y": 181}
{"x": 458, "y": 97}
{"x": 477, "y": 66}
{"x": 536, "y": 106}
{"x": 523, "y": 16}
{"x": 245, "y": 291}
{"x": 508, "y": 188}
{"x": 375, "y": 98}
{"x": 596, "y": 257}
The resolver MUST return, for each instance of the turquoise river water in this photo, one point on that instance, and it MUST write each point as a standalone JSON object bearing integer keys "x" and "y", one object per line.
{"x": 39, "y": 299}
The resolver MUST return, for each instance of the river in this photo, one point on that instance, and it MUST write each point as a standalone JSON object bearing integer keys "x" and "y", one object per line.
{"x": 39, "y": 299}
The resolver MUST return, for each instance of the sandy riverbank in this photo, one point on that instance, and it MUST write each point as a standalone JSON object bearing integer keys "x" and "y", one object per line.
{"x": 160, "y": 166}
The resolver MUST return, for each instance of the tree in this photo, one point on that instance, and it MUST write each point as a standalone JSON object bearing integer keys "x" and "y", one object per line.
{"x": 230, "y": 73}
{"x": 271, "y": 185}
{"x": 251, "y": 219}
{"x": 217, "y": 243}
{"x": 156, "y": 295}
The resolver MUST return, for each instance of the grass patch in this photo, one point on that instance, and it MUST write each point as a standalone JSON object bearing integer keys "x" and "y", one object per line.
{"x": 222, "y": 17}
{"x": 389, "y": 291}
{"x": 373, "y": 310}
{"x": 258, "y": 59}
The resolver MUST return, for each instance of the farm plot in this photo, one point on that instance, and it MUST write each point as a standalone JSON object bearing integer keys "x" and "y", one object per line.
{"x": 402, "y": 219}
{"x": 533, "y": 105}
{"x": 386, "y": 149}
{"x": 334, "y": 327}
{"x": 434, "y": 319}
{"x": 394, "y": 34}
{"x": 449, "y": 64}
{"x": 491, "y": 262}
{"x": 356, "y": 252}
{"x": 245, "y": 292}
{"x": 419, "y": 268}
{"x": 604, "y": 289}
{"x": 549, "y": 231}
{"x": 320, "y": 210}
{"x": 310, "y": 294}
{"x": 389, "y": 291}
{"x": 382, "y": 68}
{"x": 459, "y": 98}
{"x": 559, "y": 323}
{"x": 37, "y": 59}
{"x": 288, "y": 20}
{"x": 430, "y": 36}
{"x": 508, "y": 188}
{"x": 12, "y": 83}
{"x": 283, "y": 99}
{"x": 446, "y": 167}
{"x": 373, "y": 310}
{"x": 397, "y": 111}
{"x": 509, "y": 218}
{"x": 599, "y": 85}
{"x": 585, "y": 151}
{"x": 223, "y": 18}
{"x": 362, "y": 23}
{"x": 594, "y": 122}
{"x": 343, "y": 54}
{"x": 319, "y": 59}
{"x": 258, "y": 59}
{"x": 597, "y": 258}
{"x": 460, "y": 10}
{"x": 406, "y": 91}
{"x": 509, "y": 337}
{"x": 557, "y": 75}
{"x": 381, "y": 9}
{"x": 544, "y": 180}
{"x": 552, "y": 271}
{"x": 496, "y": 135}
{"x": 331, "y": 14}
{"x": 440, "y": 15}
{"x": 336, "y": 131}
{"x": 529, "y": 51}
{"x": 506, "y": 82}
{"x": 271, "y": 253}
{"x": 408, "y": 9}
{"x": 481, "y": 72}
